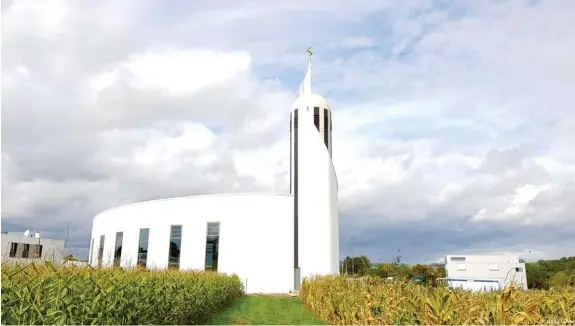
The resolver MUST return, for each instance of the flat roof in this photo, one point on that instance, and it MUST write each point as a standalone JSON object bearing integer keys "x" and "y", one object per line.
{"x": 485, "y": 254}
{"x": 31, "y": 236}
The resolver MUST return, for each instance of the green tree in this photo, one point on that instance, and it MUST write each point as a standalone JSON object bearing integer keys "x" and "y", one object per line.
{"x": 544, "y": 273}
{"x": 357, "y": 265}
{"x": 386, "y": 269}
{"x": 421, "y": 270}
{"x": 440, "y": 271}
{"x": 560, "y": 279}
{"x": 537, "y": 277}
{"x": 362, "y": 265}
{"x": 375, "y": 270}
{"x": 402, "y": 271}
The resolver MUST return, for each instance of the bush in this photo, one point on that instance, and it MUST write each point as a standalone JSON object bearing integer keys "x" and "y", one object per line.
{"x": 337, "y": 300}
{"x": 46, "y": 294}
{"x": 561, "y": 279}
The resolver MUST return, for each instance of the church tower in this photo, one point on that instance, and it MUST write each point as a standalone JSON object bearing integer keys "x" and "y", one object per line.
{"x": 313, "y": 184}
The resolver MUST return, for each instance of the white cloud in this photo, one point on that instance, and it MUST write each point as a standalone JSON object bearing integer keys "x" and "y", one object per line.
{"x": 442, "y": 116}
{"x": 357, "y": 42}
{"x": 164, "y": 149}
{"x": 28, "y": 18}
{"x": 185, "y": 71}
{"x": 518, "y": 204}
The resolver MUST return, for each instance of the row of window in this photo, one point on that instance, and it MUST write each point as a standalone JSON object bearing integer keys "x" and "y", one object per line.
{"x": 327, "y": 124}
{"x": 22, "y": 250}
{"x": 212, "y": 240}
{"x": 492, "y": 267}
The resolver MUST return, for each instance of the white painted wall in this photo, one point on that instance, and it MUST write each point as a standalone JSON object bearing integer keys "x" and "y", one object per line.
{"x": 256, "y": 235}
{"x": 303, "y": 103}
{"x": 52, "y": 249}
{"x": 256, "y": 230}
{"x": 500, "y": 267}
{"x": 317, "y": 197}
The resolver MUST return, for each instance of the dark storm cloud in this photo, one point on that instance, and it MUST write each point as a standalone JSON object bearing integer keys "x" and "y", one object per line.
{"x": 427, "y": 240}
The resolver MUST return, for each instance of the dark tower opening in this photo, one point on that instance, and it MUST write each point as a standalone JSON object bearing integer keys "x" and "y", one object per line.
{"x": 330, "y": 131}
{"x": 325, "y": 129}
{"x": 295, "y": 207}
{"x": 316, "y": 117}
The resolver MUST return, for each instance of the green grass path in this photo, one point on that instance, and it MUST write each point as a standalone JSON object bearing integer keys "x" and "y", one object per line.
{"x": 265, "y": 310}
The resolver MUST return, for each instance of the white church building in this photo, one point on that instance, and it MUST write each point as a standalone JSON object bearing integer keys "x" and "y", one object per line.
{"x": 271, "y": 241}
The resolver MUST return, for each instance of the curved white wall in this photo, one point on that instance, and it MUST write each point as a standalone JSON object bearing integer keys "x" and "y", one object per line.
{"x": 256, "y": 235}
{"x": 317, "y": 202}
{"x": 256, "y": 230}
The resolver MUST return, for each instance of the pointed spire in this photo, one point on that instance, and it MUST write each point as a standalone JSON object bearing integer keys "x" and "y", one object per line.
{"x": 305, "y": 86}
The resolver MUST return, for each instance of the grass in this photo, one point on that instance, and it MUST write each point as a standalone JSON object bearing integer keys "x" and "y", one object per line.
{"x": 265, "y": 310}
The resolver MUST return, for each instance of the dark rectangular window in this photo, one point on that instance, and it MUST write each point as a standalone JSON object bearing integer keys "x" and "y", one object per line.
{"x": 518, "y": 269}
{"x": 37, "y": 251}
{"x": 90, "y": 254}
{"x": 330, "y": 134}
{"x": 118, "y": 248}
{"x": 101, "y": 250}
{"x": 175, "y": 246}
{"x": 212, "y": 246}
{"x": 316, "y": 117}
{"x": 295, "y": 194}
{"x": 290, "y": 151}
{"x": 295, "y": 119}
{"x": 325, "y": 128}
{"x": 13, "y": 249}
{"x": 143, "y": 247}
{"x": 26, "y": 250}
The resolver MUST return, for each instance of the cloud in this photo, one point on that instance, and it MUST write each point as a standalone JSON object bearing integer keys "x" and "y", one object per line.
{"x": 357, "y": 42}
{"x": 451, "y": 119}
{"x": 176, "y": 71}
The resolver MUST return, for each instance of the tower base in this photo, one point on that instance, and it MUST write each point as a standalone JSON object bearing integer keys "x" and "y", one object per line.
{"x": 296, "y": 279}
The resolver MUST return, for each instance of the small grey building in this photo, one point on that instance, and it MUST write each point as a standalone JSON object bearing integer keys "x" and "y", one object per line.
{"x": 17, "y": 247}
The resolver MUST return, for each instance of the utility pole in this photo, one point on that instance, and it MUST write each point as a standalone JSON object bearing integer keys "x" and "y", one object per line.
{"x": 66, "y": 239}
{"x": 345, "y": 261}
{"x": 352, "y": 258}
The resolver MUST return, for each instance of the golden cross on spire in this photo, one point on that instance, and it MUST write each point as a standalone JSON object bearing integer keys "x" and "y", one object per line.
{"x": 309, "y": 51}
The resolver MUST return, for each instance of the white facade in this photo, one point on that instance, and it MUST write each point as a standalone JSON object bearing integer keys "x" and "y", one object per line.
{"x": 315, "y": 192}
{"x": 256, "y": 235}
{"x": 17, "y": 247}
{"x": 488, "y": 272}
{"x": 271, "y": 241}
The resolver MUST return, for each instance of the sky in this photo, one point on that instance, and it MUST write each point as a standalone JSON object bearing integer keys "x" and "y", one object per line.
{"x": 452, "y": 120}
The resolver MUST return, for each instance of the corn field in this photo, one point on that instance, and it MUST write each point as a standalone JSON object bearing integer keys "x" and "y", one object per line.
{"x": 337, "y": 300}
{"x": 48, "y": 294}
